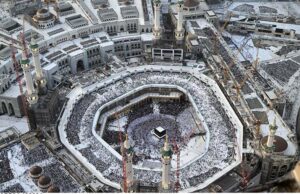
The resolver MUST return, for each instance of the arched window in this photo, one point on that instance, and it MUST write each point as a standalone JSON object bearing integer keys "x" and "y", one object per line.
{"x": 4, "y": 108}
{"x": 282, "y": 170}
{"x": 274, "y": 172}
{"x": 11, "y": 109}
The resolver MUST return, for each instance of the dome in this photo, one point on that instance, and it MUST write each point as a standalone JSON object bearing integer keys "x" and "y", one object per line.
{"x": 35, "y": 170}
{"x": 42, "y": 11}
{"x": 44, "y": 181}
{"x": 53, "y": 189}
{"x": 279, "y": 143}
{"x": 191, "y": 3}
{"x": 42, "y": 14}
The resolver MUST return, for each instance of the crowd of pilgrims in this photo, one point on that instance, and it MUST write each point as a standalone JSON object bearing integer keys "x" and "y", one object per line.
{"x": 205, "y": 102}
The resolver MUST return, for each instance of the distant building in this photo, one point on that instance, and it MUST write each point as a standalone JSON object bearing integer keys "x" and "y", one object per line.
{"x": 276, "y": 162}
{"x": 10, "y": 98}
{"x": 44, "y": 19}
{"x": 64, "y": 8}
{"x": 9, "y": 26}
{"x": 17, "y": 7}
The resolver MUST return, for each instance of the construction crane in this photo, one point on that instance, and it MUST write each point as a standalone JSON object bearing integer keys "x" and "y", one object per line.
{"x": 6, "y": 40}
{"x": 249, "y": 74}
{"x": 221, "y": 31}
{"x": 238, "y": 87}
{"x": 227, "y": 69}
{"x": 255, "y": 63}
{"x": 122, "y": 154}
{"x": 23, "y": 41}
{"x": 227, "y": 20}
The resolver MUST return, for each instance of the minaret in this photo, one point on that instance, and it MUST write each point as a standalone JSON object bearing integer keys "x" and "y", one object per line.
{"x": 128, "y": 154}
{"x": 179, "y": 33}
{"x": 271, "y": 137}
{"x": 166, "y": 153}
{"x": 267, "y": 154}
{"x": 157, "y": 27}
{"x": 31, "y": 94}
{"x": 39, "y": 77}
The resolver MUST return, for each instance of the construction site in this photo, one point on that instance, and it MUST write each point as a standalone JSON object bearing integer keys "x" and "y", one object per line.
{"x": 149, "y": 96}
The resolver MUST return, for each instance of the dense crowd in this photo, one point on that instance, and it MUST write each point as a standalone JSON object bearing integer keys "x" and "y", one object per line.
{"x": 172, "y": 108}
{"x": 5, "y": 170}
{"x": 112, "y": 137}
{"x": 195, "y": 180}
{"x": 282, "y": 71}
{"x": 61, "y": 178}
{"x": 86, "y": 123}
{"x": 245, "y": 8}
{"x": 34, "y": 155}
{"x": 145, "y": 144}
{"x": 102, "y": 159}
{"x": 75, "y": 119}
{"x": 16, "y": 188}
{"x": 140, "y": 110}
{"x": 221, "y": 131}
{"x": 142, "y": 119}
{"x": 99, "y": 164}
{"x": 17, "y": 156}
{"x": 287, "y": 49}
{"x": 265, "y": 9}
